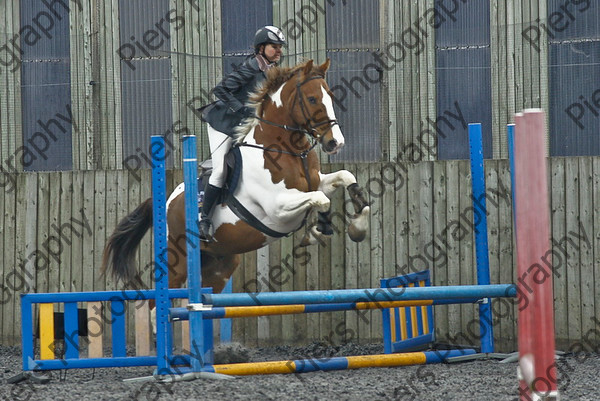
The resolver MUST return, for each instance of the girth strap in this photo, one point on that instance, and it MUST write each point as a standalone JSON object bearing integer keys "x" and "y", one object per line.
{"x": 240, "y": 211}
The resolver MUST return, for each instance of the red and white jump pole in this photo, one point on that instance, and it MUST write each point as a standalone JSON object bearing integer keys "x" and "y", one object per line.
{"x": 537, "y": 369}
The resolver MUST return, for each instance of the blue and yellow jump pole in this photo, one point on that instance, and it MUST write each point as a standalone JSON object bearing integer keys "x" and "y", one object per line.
{"x": 255, "y": 311}
{"x": 338, "y": 363}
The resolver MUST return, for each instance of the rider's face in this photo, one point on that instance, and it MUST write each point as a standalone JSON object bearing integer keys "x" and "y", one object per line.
{"x": 273, "y": 52}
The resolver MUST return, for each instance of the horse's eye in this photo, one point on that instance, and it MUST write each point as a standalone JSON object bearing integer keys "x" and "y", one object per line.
{"x": 312, "y": 100}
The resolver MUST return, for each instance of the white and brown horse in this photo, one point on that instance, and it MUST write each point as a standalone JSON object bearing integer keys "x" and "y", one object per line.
{"x": 280, "y": 183}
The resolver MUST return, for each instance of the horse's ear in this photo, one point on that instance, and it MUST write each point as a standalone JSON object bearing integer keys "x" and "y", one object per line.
{"x": 325, "y": 66}
{"x": 307, "y": 68}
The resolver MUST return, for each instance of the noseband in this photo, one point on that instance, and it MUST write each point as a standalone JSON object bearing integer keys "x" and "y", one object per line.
{"x": 312, "y": 127}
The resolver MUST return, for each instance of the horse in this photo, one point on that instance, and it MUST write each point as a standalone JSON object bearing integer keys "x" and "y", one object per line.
{"x": 280, "y": 183}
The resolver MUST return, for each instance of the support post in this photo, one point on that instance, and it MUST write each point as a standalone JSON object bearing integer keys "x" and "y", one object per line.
{"x": 226, "y": 324}
{"x": 190, "y": 174}
{"x": 486, "y": 329}
{"x": 161, "y": 265}
{"x": 537, "y": 370}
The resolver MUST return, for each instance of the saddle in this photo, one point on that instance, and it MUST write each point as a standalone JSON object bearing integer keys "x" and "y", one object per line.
{"x": 233, "y": 163}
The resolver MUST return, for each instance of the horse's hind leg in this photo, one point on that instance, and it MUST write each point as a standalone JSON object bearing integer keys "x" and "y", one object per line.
{"x": 216, "y": 270}
{"x": 177, "y": 267}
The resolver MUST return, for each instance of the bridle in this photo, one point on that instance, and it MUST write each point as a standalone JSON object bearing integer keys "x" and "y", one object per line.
{"x": 311, "y": 129}
{"x": 310, "y": 125}
{"x": 309, "y": 121}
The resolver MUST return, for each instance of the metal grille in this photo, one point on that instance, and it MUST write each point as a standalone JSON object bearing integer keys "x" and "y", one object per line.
{"x": 463, "y": 72}
{"x": 352, "y": 35}
{"x": 46, "y": 87}
{"x": 146, "y": 77}
{"x": 574, "y": 68}
{"x": 240, "y": 20}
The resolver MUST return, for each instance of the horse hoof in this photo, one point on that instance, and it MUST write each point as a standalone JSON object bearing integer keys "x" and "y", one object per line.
{"x": 305, "y": 241}
{"x": 356, "y": 235}
{"x": 313, "y": 236}
{"x": 357, "y": 231}
{"x": 210, "y": 239}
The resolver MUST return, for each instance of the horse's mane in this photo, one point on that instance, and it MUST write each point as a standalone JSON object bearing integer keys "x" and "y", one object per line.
{"x": 276, "y": 77}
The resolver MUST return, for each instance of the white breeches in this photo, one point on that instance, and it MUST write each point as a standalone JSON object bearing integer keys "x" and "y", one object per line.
{"x": 219, "y": 146}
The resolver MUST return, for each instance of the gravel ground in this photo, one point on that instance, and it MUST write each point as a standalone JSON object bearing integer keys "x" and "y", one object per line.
{"x": 479, "y": 380}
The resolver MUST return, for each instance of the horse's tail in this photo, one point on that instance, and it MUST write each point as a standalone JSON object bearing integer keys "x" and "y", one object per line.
{"x": 119, "y": 252}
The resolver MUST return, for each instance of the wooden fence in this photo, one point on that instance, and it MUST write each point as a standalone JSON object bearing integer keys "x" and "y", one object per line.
{"x": 55, "y": 225}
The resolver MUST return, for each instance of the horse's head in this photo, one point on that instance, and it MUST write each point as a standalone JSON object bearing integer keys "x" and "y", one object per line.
{"x": 312, "y": 106}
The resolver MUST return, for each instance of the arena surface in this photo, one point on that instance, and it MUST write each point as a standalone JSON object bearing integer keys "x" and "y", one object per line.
{"x": 479, "y": 380}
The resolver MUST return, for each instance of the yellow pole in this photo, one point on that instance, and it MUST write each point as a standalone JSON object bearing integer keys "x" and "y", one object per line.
{"x": 46, "y": 331}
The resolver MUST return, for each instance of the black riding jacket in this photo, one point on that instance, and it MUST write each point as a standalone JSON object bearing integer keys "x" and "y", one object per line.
{"x": 233, "y": 92}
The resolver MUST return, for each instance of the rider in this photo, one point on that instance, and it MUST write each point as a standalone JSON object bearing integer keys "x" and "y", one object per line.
{"x": 230, "y": 110}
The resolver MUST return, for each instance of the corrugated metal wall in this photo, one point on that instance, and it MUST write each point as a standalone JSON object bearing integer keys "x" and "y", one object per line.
{"x": 197, "y": 67}
{"x": 394, "y": 109}
{"x": 146, "y": 77}
{"x": 240, "y": 19}
{"x": 463, "y": 78}
{"x": 574, "y": 65}
{"x": 353, "y": 34}
{"x": 46, "y": 86}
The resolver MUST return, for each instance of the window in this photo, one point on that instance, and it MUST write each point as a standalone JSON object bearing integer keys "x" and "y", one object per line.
{"x": 239, "y": 24}
{"x": 354, "y": 78}
{"x": 574, "y": 75}
{"x": 146, "y": 108}
{"x": 463, "y": 56}
{"x": 46, "y": 86}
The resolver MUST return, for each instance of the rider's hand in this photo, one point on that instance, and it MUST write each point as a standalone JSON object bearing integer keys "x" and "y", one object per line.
{"x": 247, "y": 112}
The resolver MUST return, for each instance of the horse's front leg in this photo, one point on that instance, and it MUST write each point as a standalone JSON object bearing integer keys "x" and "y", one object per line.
{"x": 359, "y": 222}
{"x": 294, "y": 203}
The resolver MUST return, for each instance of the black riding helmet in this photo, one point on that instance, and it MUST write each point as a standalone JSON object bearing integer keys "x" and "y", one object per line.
{"x": 268, "y": 34}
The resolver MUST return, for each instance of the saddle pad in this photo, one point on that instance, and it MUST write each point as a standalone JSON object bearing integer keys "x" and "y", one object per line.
{"x": 233, "y": 164}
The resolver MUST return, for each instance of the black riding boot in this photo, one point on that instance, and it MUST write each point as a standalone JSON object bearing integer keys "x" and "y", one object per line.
{"x": 211, "y": 194}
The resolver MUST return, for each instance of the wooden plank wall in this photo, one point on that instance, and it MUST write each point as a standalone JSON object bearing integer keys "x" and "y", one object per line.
{"x": 11, "y": 137}
{"x": 412, "y": 205}
{"x": 421, "y": 217}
